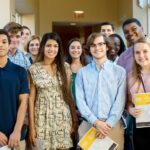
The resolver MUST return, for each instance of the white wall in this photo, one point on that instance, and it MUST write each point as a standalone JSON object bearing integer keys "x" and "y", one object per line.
{"x": 29, "y": 21}
{"x": 7, "y": 12}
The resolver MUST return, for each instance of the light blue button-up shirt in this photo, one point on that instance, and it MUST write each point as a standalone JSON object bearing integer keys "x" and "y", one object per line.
{"x": 100, "y": 93}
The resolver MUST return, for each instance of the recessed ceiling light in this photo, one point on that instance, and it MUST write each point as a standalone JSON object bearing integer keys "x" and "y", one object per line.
{"x": 79, "y": 12}
{"x": 73, "y": 23}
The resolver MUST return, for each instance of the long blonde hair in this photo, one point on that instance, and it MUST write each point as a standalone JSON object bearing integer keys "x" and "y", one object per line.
{"x": 136, "y": 68}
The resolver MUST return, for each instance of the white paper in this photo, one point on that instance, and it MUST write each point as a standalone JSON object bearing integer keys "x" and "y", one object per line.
{"x": 5, "y": 148}
{"x": 103, "y": 144}
{"x": 143, "y": 120}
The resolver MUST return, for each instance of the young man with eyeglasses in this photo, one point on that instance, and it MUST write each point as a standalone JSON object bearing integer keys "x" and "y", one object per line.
{"x": 100, "y": 92}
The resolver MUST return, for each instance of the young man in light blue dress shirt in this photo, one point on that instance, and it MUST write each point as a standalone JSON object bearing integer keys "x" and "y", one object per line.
{"x": 100, "y": 92}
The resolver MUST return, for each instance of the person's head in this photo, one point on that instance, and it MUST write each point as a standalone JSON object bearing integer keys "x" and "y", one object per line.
{"x": 25, "y": 35}
{"x": 4, "y": 43}
{"x": 14, "y": 31}
{"x": 75, "y": 51}
{"x": 118, "y": 44}
{"x": 98, "y": 44}
{"x": 51, "y": 48}
{"x": 106, "y": 28}
{"x": 133, "y": 30}
{"x": 142, "y": 54}
{"x": 33, "y": 45}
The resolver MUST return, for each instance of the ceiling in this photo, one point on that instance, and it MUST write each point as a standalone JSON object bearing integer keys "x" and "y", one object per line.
{"x": 25, "y": 6}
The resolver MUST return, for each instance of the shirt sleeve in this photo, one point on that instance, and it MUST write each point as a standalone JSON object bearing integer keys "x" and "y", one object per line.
{"x": 24, "y": 84}
{"x": 81, "y": 99}
{"x": 119, "y": 104}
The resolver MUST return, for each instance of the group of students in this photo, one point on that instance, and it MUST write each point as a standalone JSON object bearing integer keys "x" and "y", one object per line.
{"x": 65, "y": 96}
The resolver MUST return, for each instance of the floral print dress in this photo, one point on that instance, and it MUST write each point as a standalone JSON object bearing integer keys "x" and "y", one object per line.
{"x": 52, "y": 115}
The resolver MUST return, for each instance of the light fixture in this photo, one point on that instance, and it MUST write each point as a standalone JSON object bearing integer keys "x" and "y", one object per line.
{"x": 78, "y": 13}
{"x": 73, "y": 23}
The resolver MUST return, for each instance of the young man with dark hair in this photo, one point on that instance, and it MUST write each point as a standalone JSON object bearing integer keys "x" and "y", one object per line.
{"x": 106, "y": 28}
{"x": 13, "y": 98}
{"x": 133, "y": 31}
{"x": 15, "y": 54}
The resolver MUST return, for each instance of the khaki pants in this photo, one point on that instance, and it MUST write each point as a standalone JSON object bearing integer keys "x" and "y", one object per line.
{"x": 116, "y": 134}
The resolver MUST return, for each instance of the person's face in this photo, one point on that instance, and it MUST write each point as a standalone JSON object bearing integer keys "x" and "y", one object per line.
{"x": 98, "y": 49}
{"x": 133, "y": 32}
{"x": 75, "y": 50}
{"x": 142, "y": 54}
{"x": 116, "y": 46}
{"x": 15, "y": 40}
{"x": 4, "y": 45}
{"x": 25, "y": 36}
{"x": 34, "y": 47}
{"x": 51, "y": 49}
{"x": 107, "y": 30}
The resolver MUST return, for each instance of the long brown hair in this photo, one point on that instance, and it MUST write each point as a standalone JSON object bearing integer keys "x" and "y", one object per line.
{"x": 59, "y": 61}
{"x": 82, "y": 57}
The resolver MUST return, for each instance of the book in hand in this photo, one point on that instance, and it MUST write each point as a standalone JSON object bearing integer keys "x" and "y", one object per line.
{"x": 90, "y": 142}
{"x": 142, "y": 101}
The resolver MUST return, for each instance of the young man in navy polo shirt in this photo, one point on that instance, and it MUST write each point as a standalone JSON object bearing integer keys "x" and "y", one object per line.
{"x": 13, "y": 97}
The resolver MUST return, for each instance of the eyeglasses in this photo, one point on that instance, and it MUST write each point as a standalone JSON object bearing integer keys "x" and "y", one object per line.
{"x": 97, "y": 45}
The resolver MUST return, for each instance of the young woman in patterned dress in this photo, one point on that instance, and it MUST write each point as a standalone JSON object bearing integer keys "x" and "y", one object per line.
{"x": 53, "y": 118}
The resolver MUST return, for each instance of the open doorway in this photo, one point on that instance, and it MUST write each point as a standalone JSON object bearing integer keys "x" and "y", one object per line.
{"x": 69, "y": 30}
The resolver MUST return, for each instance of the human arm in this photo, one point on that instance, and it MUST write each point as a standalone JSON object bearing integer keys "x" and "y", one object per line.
{"x": 15, "y": 136}
{"x": 32, "y": 132}
{"x": 118, "y": 104}
{"x": 133, "y": 111}
{"x": 81, "y": 97}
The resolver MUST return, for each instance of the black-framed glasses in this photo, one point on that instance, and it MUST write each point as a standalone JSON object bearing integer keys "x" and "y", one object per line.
{"x": 97, "y": 45}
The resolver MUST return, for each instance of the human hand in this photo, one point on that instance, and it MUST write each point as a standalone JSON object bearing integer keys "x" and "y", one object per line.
{"x": 3, "y": 139}
{"x": 103, "y": 128}
{"x": 135, "y": 112}
{"x": 32, "y": 136}
{"x": 14, "y": 139}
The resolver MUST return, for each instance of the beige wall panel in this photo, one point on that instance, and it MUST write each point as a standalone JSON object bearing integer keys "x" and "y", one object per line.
{"x": 62, "y": 10}
{"x": 29, "y": 20}
{"x": 141, "y": 13}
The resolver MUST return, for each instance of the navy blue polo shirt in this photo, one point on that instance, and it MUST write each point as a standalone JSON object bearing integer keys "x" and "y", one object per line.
{"x": 13, "y": 82}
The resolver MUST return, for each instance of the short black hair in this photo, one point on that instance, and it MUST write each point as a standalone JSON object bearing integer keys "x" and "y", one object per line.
{"x": 3, "y": 32}
{"x": 106, "y": 23}
{"x": 131, "y": 20}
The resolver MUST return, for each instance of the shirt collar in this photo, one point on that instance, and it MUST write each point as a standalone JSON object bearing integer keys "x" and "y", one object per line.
{"x": 7, "y": 66}
{"x": 16, "y": 51}
{"x": 102, "y": 66}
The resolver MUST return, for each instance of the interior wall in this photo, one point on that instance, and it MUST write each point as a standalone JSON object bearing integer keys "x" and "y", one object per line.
{"x": 95, "y": 11}
{"x": 141, "y": 14}
{"x": 7, "y": 11}
{"x": 29, "y": 20}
